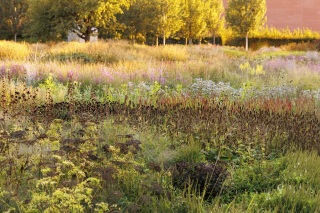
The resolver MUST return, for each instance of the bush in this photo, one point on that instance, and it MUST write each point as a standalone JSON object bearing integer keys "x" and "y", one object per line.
{"x": 190, "y": 153}
{"x": 206, "y": 179}
{"x": 301, "y": 46}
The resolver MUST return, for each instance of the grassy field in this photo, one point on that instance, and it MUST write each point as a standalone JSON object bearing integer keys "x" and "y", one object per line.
{"x": 115, "y": 127}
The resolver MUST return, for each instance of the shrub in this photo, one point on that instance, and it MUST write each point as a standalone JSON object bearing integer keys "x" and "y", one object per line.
{"x": 206, "y": 179}
{"x": 303, "y": 46}
{"x": 191, "y": 153}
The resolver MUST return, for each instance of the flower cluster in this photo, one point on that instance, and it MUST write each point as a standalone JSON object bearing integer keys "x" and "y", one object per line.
{"x": 283, "y": 91}
{"x": 315, "y": 94}
{"x": 210, "y": 88}
{"x": 12, "y": 71}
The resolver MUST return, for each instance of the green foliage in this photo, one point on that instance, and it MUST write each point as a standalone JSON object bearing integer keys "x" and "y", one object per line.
{"x": 194, "y": 20}
{"x": 13, "y": 15}
{"x": 161, "y": 145}
{"x": 298, "y": 190}
{"x": 191, "y": 153}
{"x": 245, "y": 16}
{"x": 301, "y": 169}
{"x": 53, "y": 86}
{"x": 63, "y": 199}
{"x": 206, "y": 179}
{"x": 140, "y": 21}
{"x": 166, "y": 17}
{"x": 288, "y": 198}
{"x": 260, "y": 177}
{"x": 54, "y": 19}
{"x": 214, "y": 19}
{"x": 137, "y": 21}
{"x": 43, "y": 30}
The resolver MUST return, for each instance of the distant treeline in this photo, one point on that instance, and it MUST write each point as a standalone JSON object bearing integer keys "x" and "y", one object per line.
{"x": 151, "y": 22}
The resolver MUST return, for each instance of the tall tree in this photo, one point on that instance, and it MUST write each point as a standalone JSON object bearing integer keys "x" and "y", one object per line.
{"x": 136, "y": 20}
{"x": 246, "y": 16}
{"x": 13, "y": 16}
{"x": 214, "y": 18}
{"x": 165, "y": 17}
{"x": 194, "y": 19}
{"x": 40, "y": 22}
{"x": 54, "y": 18}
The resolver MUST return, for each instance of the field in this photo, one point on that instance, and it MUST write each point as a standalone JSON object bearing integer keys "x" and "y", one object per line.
{"x": 116, "y": 127}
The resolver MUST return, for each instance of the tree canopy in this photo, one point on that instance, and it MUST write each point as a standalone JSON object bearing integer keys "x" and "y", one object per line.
{"x": 194, "y": 19}
{"x": 52, "y": 19}
{"x": 167, "y": 17}
{"x": 13, "y": 16}
{"x": 138, "y": 20}
{"x": 214, "y": 17}
{"x": 246, "y": 16}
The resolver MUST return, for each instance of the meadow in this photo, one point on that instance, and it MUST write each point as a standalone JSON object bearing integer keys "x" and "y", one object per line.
{"x": 117, "y": 127}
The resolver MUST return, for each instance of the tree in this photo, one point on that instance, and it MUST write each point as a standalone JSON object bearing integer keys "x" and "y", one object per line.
{"x": 214, "y": 18}
{"x": 136, "y": 21}
{"x": 40, "y": 21}
{"x": 194, "y": 19}
{"x": 246, "y": 16}
{"x": 53, "y": 19}
{"x": 165, "y": 17}
{"x": 13, "y": 16}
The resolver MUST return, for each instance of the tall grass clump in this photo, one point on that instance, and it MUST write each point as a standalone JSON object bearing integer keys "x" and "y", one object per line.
{"x": 170, "y": 53}
{"x": 14, "y": 51}
{"x": 112, "y": 52}
{"x": 299, "y": 190}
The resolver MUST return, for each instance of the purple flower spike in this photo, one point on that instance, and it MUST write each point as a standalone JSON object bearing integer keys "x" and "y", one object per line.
{"x": 70, "y": 75}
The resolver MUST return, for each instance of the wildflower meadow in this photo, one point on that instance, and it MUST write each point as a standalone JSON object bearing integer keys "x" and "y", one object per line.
{"x": 118, "y": 127}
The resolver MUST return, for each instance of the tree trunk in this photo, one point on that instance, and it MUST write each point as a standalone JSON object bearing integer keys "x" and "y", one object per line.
{"x": 87, "y": 34}
{"x": 247, "y": 42}
{"x": 15, "y": 37}
{"x": 200, "y": 41}
{"x": 214, "y": 39}
{"x": 157, "y": 40}
{"x": 87, "y": 38}
{"x": 186, "y": 41}
{"x": 190, "y": 41}
{"x": 164, "y": 39}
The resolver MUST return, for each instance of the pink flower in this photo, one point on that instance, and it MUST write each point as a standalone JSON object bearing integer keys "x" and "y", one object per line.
{"x": 70, "y": 75}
